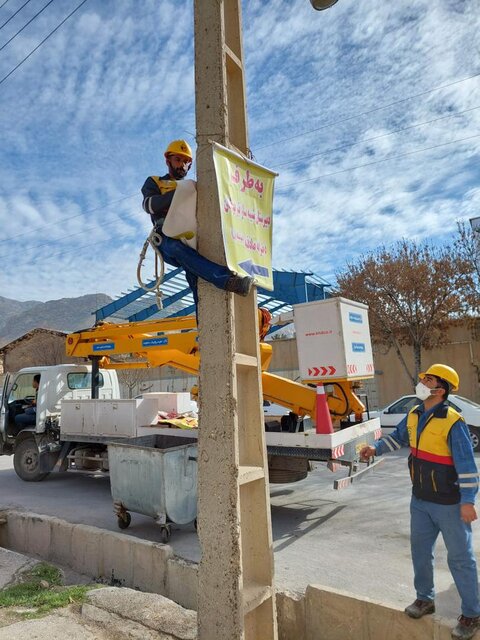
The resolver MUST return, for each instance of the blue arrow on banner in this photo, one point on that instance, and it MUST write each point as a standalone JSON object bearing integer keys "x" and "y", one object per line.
{"x": 254, "y": 269}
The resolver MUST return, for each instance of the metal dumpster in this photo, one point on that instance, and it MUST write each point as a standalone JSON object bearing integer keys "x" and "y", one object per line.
{"x": 157, "y": 476}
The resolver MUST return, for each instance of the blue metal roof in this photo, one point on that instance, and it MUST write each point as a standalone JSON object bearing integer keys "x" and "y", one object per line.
{"x": 290, "y": 287}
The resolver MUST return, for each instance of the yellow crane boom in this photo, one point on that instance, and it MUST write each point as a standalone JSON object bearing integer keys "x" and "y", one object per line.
{"x": 174, "y": 342}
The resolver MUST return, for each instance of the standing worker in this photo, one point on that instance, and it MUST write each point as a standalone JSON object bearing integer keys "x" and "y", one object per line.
{"x": 444, "y": 486}
{"x": 158, "y": 194}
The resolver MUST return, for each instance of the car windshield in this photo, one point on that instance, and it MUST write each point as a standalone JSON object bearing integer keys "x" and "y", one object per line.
{"x": 469, "y": 402}
{"x": 402, "y": 406}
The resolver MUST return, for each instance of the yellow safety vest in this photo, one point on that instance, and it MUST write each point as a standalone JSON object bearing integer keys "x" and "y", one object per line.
{"x": 433, "y": 442}
{"x": 432, "y": 470}
{"x": 164, "y": 185}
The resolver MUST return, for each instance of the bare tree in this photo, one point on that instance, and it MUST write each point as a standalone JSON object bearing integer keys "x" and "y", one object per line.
{"x": 44, "y": 350}
{"x": 132, "y": 379}
{"x": 414, "y": 292}
{"x": 468, "y": 247}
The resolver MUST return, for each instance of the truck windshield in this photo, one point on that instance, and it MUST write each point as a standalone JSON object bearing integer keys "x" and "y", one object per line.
{"x": 82, "y": 380}
{"x": 22, "y": 387}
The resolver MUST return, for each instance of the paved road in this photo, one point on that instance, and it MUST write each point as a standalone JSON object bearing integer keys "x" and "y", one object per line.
{"x": 356, "y": 539}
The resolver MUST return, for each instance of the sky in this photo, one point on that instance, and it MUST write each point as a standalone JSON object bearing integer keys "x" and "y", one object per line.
{"x": 369, "y": 112}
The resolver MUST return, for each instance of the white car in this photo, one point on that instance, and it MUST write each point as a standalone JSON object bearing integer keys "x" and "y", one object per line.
{"x": 391, "y": 415}
{"x": 273, "y": 410}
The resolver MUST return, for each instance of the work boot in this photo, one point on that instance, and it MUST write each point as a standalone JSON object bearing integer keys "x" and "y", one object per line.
{"x": 466, "y": 627}
{"x": 239, "y": 284}
{"x": 420, "y": 608}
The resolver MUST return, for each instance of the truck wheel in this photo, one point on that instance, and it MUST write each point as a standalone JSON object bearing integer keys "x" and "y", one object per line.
{"x": 124, "y": 520}
{"x": 165, "y": 533}
{"x": 475, "y": 438}
{"x": 26, "y": 461}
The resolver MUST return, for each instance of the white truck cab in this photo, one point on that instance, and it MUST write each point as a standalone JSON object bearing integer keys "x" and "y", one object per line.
{"x": 24, "y": 436}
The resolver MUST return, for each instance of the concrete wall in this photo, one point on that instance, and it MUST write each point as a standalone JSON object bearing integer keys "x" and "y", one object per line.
{"x": 285, "y": 356}
{"x": 40, "y": 348}
{"x": 461, "y": 351}
{"x": 116, "y": 558}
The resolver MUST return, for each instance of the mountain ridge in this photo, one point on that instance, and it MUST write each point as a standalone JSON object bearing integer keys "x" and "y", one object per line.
{"x": 64, "y": 314}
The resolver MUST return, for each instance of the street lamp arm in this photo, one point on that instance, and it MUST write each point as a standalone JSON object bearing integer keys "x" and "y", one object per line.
{"x": 320, "y": 5}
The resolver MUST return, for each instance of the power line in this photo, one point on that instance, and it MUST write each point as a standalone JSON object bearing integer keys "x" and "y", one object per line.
{"x": 368, "y": 164}
{"x": 62, "y": 220}
{"x": 280, "y": 188}
{"x": 383, "y": 135}
{"x": 77, "y": 249}
{"x": 13, "y": 14}
{"x": 43, "y": 41}
{"x": 365, "y": 113}
{"x": 2, "y": 5}
{"x": 68, "y": 236}
{"x": 25, "y": 25}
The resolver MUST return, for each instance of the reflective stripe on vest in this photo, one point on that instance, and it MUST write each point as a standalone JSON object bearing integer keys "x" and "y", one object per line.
{"x": 432, "y": 444}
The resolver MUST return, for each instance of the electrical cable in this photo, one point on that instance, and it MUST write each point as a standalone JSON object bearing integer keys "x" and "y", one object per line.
{"x": 42, "y": 42}
{"x": 25, "y": 25}
{"x": 152, "y": 240}
{"x": 2, "y": 5}
{"x": 66, "y": 237}
{"x": 13, "y": 14}
{"x": 345, "y": 398}
{"x": 77, "y": 249}
{"x": 292, "y": 162}
{"x": 62, "y": 220}
{"x": 383, "y": 135}
{"x": 366, "y": 113}
{"x": 368, "y": 164}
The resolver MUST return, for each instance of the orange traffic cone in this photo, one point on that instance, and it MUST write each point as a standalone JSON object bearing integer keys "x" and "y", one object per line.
{"x": 323, "y": 419}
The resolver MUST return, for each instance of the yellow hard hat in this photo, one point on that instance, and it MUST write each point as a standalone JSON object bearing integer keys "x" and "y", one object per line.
{"x": 444, "y": 372}
{"x": 179, "y": 147}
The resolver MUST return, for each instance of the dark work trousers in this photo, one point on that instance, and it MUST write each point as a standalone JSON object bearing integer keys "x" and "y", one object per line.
{"x": 177, "y": 254}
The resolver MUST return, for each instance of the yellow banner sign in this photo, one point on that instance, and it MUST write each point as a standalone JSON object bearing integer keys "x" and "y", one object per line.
{"x": 245, "y": 191}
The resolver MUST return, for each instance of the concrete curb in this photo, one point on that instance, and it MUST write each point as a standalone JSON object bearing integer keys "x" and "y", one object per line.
{"x": 342, "y": 616}
{"x": 132, "y": 614}
{"x": 115, "y": 558}
{"x": 123, "y": 560}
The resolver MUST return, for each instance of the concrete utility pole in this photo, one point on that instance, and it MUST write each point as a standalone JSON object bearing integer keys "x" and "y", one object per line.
{"x": 236, "y": 598}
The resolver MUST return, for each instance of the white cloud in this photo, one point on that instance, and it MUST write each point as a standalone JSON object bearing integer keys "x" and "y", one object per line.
{"x": 86, "y": 118}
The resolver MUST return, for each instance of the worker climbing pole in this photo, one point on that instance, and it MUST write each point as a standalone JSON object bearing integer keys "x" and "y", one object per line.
{"x": 236, "y": 597}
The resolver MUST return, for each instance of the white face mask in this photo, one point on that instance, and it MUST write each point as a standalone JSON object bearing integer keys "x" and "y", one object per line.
{"x": 422, "y": 392}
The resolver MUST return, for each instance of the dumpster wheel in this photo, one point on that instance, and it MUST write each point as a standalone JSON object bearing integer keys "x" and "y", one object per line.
{"x": 124, "y": 520}
{"x": 165, "y": 533}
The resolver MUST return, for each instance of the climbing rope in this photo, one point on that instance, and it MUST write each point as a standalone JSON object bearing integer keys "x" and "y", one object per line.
{"x": 153, "y": 240}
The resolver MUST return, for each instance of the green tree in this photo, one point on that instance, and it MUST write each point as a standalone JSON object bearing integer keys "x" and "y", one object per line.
{"x": 413, "y": 291}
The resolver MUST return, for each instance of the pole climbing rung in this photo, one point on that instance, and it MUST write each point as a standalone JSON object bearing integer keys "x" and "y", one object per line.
{"x": 242, "y": 360}
{"x": 250, "y": 474}
{"x": 255, "y": 595}
{"x": 231, "y": 56}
